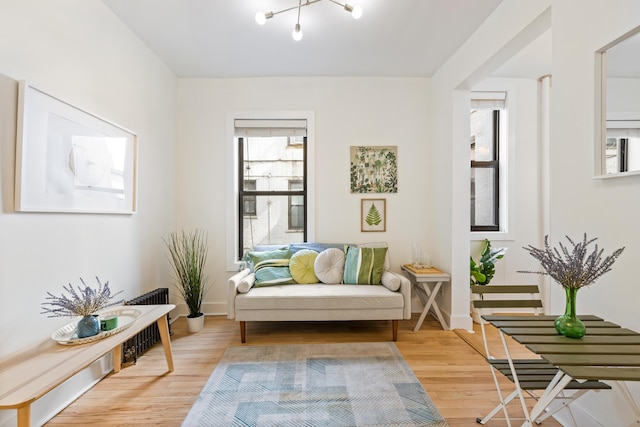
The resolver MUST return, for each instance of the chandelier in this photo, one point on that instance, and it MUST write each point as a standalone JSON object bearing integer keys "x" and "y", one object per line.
{"x": 261, "y": 17}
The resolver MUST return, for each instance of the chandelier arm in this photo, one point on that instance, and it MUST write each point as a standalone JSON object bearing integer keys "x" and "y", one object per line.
{"x": 345, "y": 6}
{"x": 307, "y": 3}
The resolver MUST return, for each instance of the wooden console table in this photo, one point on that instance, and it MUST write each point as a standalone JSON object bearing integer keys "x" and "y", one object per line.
{"x": 30, "y": 375}
{"x": 422, "y": 279}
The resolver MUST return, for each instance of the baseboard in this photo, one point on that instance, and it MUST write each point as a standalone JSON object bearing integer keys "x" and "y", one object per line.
{"x": 208, "y": 308}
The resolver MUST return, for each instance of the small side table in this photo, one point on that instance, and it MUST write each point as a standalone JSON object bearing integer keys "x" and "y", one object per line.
{"x": 422, "y": 280}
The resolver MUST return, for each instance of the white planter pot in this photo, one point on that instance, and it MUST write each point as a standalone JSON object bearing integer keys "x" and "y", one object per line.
{"x": 195, "y": 324}
{"x": 475, "y": 313}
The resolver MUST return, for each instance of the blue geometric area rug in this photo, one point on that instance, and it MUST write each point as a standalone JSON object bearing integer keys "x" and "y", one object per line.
{"x": 323, "y": 385}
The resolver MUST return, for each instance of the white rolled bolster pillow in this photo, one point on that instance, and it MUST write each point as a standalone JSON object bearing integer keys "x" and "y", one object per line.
{"x": 390, "y": 280}
{"x": 246, "y": 283}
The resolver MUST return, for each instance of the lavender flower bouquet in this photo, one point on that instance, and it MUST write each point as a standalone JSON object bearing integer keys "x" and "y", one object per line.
{"x": 83, "y": 302}
{"x": 573, "y": 268}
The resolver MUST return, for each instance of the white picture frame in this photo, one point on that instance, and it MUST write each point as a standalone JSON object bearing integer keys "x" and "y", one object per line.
{"x": 69, "y": 160}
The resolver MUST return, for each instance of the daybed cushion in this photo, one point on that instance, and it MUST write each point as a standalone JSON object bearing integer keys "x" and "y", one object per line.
{"x": 364, "y": 266}
{"x": 329, "y": 266}
{"x": 320, "y": 297}
{"x": 301, "y": 266}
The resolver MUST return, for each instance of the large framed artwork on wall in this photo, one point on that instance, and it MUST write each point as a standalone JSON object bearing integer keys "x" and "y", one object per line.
{"x": 69, "y": 160}
{"x": 374, "y": 169}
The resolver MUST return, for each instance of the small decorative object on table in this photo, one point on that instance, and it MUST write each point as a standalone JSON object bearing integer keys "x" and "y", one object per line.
{"x": 108, "y": 323}
{"x": 573, "y": 270}
{"x": 83, "y": 302}
{"x": 421, "y": 259}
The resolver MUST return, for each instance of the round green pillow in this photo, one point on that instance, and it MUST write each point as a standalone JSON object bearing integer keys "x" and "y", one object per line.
{"x": 301, "y": 266}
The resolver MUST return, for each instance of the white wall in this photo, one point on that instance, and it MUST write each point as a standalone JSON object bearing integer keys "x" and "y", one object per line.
{"x": 78, "y": 51}
{"x": 607, "y": 209}
{"x": 348, "y": 111}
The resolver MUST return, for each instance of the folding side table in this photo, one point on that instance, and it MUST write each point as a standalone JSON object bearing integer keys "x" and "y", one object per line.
{"x": 427, "y": 283}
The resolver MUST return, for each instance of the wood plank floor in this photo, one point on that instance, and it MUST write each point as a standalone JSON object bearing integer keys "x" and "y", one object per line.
{"x": 455, "y": 375}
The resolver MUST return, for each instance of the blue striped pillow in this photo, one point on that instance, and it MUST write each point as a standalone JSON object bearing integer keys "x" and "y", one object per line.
{"x": 364, "y": 266}
{"x": 254, "y": 257}
{"x": 273, "y": 272}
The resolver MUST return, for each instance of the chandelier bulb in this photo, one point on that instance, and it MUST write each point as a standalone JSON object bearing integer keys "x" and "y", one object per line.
{"x": 297, "y": 33}
{"x": 262, "y": 17}
{"x": 356, "y": 12}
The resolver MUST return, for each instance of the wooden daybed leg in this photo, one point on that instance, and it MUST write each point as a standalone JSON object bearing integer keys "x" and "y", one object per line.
{"x": 394, "y": 326}
{"x": 243, "y": 328}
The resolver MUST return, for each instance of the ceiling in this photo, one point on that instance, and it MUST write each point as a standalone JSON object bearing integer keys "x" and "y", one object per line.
{"x": 220, "y": 38}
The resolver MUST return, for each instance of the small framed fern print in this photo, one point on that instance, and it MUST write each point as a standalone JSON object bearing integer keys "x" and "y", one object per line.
{"x": 373, "y": 215}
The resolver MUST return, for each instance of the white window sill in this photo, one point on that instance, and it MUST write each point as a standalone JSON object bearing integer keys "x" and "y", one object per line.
{"x": 492, "y": 235}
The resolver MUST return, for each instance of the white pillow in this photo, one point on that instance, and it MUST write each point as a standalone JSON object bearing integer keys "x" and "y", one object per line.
{"x": 391, "y": 281}
{"x": 246, "y": 283}
{"x": 329, "y": 266}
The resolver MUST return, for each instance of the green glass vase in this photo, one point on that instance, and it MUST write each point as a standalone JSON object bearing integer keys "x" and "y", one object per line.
{"x": 568, "y": 324}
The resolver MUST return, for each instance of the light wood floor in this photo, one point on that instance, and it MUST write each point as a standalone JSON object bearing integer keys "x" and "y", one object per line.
{"x": 453, "y": 373}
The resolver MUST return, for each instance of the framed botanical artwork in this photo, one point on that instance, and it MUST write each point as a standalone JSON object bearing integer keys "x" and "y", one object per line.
{"x": 374, "y": 169}
{"x": 373, "y": 215}
{"x": 69, "y": 160}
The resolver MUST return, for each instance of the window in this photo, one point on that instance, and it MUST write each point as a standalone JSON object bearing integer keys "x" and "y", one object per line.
{"x": 622, "y": 150}
{"x": 296, "y": 206}
{"x": 249, "y": 202}
{"x": 272, "y": 182}
{"x": 487, "y": 125}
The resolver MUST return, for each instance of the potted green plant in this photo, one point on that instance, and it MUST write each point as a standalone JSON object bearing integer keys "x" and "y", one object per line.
{"x": 188, "y": 255}
{"x": 482, "y": 272}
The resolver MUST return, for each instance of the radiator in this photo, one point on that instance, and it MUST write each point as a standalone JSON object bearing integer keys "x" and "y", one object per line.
{"x": 146, "y": 338}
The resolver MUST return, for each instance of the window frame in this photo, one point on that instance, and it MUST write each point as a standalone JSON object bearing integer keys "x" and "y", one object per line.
{"x": 254, "y": 212}
{"x": 232, "y": 184}
{"x": 304, "y": 204}
{"x": 495, "y": 165}
{"x": 242, "y": 193}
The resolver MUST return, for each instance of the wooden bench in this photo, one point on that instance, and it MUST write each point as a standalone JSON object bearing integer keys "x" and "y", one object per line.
{"x": 32, "y": 374}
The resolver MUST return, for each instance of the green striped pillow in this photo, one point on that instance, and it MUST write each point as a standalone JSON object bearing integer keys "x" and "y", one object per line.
{"x": 254, "y": 257}
{"x": 364, "y": 266}
{"x": 273, "y": 272}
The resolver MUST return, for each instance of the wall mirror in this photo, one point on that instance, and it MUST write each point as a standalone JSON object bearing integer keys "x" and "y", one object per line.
{"x": 618, "y": 107}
